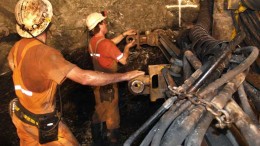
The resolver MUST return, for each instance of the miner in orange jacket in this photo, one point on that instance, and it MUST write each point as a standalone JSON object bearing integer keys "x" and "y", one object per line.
{"x": 105, "y": 57}
{"x": 37, "y": 70}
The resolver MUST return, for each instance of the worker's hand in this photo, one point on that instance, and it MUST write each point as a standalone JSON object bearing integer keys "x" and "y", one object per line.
{"x": 129, "y": 32}
{"x": 133, "y": 74}
{"x": 131, "y": 44}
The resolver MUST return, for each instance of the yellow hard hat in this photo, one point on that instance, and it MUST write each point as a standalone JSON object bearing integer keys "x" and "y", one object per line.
{"x": 93, "y": 19}
{"x": 32, "y": 16}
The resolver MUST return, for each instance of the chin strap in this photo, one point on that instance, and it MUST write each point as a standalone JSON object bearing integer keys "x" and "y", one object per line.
{"x": 22, "y": 26}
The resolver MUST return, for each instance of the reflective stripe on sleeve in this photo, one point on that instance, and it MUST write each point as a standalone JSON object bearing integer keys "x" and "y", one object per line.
{"x": 93, "y": 54}
{"x": 120, "y": 56}
{"x": 26, "y": 92}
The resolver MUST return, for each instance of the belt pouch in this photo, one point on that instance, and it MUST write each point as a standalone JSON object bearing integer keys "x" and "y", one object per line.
{"x": 48, "y": 128}
{"x": 107, "y": 93}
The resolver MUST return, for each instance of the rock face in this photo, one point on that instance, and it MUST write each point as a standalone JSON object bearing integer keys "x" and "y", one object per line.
{"x": 68, "y": 31}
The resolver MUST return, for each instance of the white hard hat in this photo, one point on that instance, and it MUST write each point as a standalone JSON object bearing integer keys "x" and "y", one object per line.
{"x": 93, "y": 19}
{"x": 32, "y": 16}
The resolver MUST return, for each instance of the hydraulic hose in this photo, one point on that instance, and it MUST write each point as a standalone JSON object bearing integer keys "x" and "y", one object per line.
{"x": 253, "y": 94}
{"x": 247, "y": 128}
{"x": 202, "y": 43}
{"x": 166, "y": 105}
{"x": 175, "y": 124}
{"x": 251, "y": 29}
{"x": 194, "y": 61}
{"x": 167, "y": 119}
{"x": 148, "y": 138}
{"x": 216, "y": 60}
{"x": 205, "y": 45}
{"x": 186, "y": 68}
{"x": 245, "y": 104}
{"x": 196, "y": 136}
{"x": 229, "y": 75}
{"x": 190, "y": 121}
{"x": 188, "y": 82}
{"x": 179, "y": 130}
{"x": 249, "y": 22}
{"x": 177, "y": 120}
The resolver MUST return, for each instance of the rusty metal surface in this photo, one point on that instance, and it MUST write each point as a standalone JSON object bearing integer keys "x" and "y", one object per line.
{"x": 254, "y": 79}
{"x": 169, "y": 46}
{"x": 153, "y": 84}
{"x": 147, "y": 38}
{"x": 140, "y": 85}
{"x": 244, "y": 123}
{"x": 195, "y": 62}
{"x": 157, "y": 82}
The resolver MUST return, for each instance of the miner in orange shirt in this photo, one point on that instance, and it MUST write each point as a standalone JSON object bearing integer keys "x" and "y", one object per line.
{"x": 105, "y": 57}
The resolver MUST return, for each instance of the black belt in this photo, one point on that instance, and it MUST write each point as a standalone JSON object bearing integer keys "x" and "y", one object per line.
{"x": 28, "y": 117}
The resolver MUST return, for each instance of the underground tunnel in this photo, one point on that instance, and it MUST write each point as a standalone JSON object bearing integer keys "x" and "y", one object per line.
{"x": 200, "y": 57}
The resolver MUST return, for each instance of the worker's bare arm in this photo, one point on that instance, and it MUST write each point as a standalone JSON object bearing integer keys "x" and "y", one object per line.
{"x": 120, "y": 37}
{"x": 94, "y": 78}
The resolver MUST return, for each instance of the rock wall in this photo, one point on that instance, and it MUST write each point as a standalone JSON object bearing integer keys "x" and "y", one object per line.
{"x": 68, "y": 31}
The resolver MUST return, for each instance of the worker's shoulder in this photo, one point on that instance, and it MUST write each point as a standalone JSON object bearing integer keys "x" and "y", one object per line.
{"x": 106, "y": 42}
{"x": 43, "y": 48}
{"x": 36, "y": 45}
